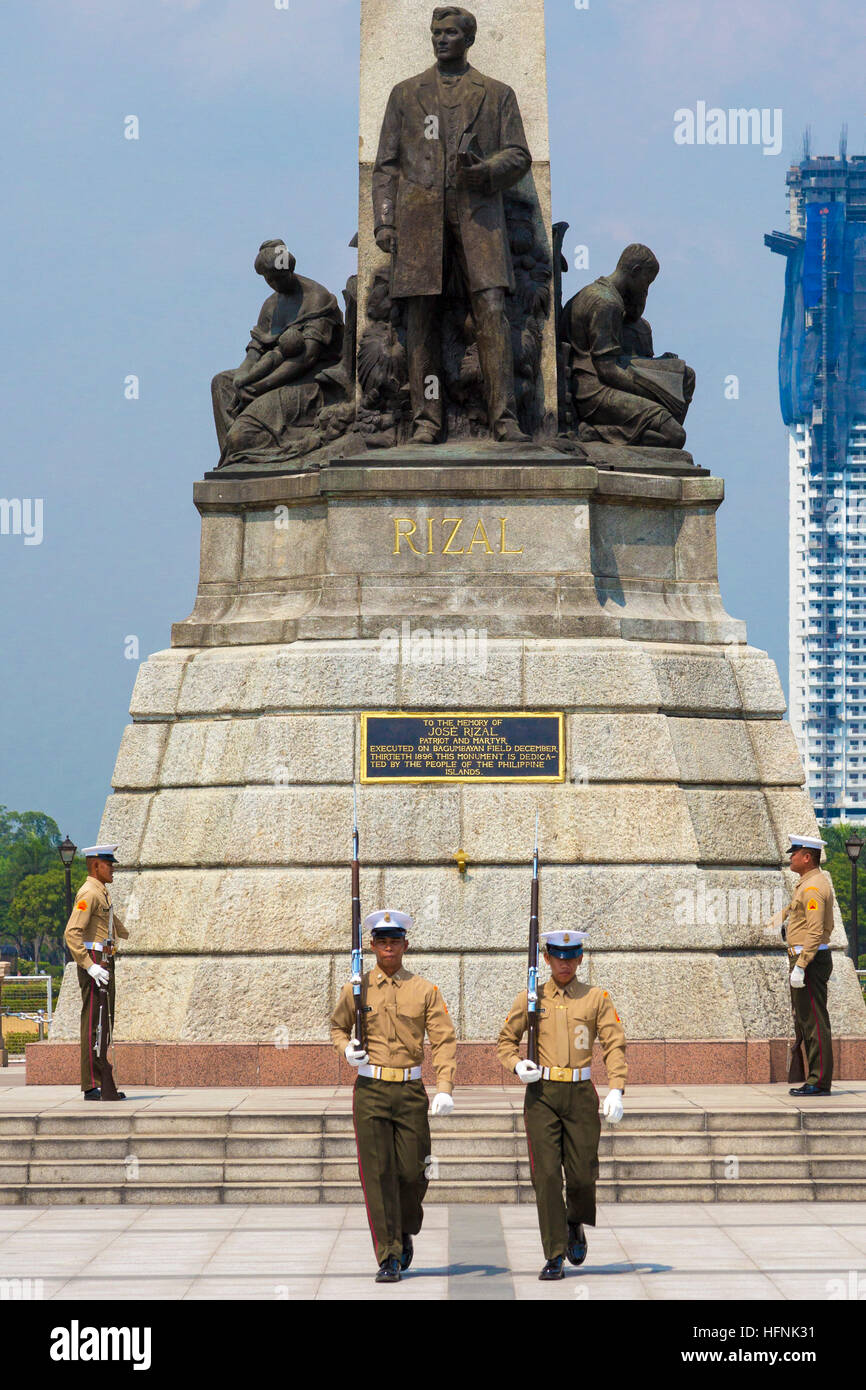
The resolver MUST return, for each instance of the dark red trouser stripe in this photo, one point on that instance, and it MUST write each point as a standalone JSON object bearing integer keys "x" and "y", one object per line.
{"x": 90, "y": 1036}
{"x": 528, "y": 1145}
{"x": 361, "y": 1175}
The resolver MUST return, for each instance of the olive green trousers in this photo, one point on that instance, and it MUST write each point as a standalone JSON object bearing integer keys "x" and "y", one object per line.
{"x": 562, "y": 1130}
{"x": 810, "y": 1007}
{"x": 90, "y": 999}
{"x": 392, "y": 1134}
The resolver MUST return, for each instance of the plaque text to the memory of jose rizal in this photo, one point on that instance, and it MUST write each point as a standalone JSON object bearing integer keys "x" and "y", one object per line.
{"x": 462, "y": 747}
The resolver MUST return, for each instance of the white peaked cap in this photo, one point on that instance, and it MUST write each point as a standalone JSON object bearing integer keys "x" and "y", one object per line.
{"x": 387, "y": 917}
{"x": 805, "y": 842}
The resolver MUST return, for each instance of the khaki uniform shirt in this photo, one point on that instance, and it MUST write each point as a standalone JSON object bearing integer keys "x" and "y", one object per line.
{"x": 400, "y": 1010}
{"x": 89, "y": 921}
{"x": 809, "y": 916}
{"x": 569, "y": 1021}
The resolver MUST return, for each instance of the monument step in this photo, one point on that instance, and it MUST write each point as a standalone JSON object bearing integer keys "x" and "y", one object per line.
{"x": 831, "y": 1118}
{"x": 504, "y": 1121}
{"x": 620, "y": 1148}
{"x": 294, "y": 1152}
{"x": 102, "y": 1120}
{"x": 286, "y": 1192}
{"x": 476, "y": 1142}
{"x": 644, "y": 1146}
{"x": 134, "y": 1170}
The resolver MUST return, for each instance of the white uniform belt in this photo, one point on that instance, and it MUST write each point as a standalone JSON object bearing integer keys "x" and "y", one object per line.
{"x": 798, "y": 949}
{"x": 566, "y": 1073}
{"x": 97, "y": 945}
{"x": 391, "y": 1073}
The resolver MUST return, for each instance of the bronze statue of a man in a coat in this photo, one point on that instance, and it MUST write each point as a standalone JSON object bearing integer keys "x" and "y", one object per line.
{"x": 451, "y": 141}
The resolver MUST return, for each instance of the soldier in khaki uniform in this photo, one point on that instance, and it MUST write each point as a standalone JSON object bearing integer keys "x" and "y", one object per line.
{"x": 561, "y": 1105}
{"x": 91, "y": 935}
{"x": 389, "y": 1104}
{"x": 808, "y": 926}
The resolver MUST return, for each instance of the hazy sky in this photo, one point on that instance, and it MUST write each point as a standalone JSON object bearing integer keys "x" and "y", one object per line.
{"x": 136, "y": 257}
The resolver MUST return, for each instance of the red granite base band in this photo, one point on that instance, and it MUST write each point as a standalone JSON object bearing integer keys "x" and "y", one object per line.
{"x": 651, "y": 1063}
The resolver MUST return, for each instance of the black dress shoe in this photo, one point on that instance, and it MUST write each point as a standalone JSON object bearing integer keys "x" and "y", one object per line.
{"x": 389, "y": 1271}
{"x": 577, "y": 1247}
{"x": 121, "y": 1095}
{"x": 809, "y": 1090}
{"x": 553, "y": 1269}
{"x": 93, "y": 1094}
{"x": 408, "y": 1252}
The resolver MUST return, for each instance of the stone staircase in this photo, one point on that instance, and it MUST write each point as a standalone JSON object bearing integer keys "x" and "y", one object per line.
{"x": 276, "y": 1156}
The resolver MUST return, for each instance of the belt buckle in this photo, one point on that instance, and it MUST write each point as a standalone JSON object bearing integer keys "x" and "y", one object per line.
{"x": 560, "y": 1073}
{"x": 391, "y": 1074}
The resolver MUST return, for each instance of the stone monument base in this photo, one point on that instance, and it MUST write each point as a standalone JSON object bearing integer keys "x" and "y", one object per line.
{"x": 589, "y": 594}
{"x": 752, "y": 1062}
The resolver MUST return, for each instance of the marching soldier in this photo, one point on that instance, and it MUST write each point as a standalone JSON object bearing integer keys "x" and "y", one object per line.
{"x": 91, "y": 935}
{"x": 389, "y": 1104}
{"x": 806, "y": 931}
{"x": 561, "y": 1103}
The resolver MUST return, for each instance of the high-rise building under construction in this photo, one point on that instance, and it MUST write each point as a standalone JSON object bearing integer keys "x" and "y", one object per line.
{"x": 822, "y": 385}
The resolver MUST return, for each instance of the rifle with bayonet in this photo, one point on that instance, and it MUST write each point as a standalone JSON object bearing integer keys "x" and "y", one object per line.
{"x": 532, "y": 964}
{"x": 357, "y": 959}
{"x": 107, "y": 1084}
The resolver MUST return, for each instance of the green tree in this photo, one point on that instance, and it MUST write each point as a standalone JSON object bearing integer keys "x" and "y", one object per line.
{"x": 838, "y": 866}
{"x": 28, "y": 845}
{"x": 18, "y": 825}
{"x": 37, "y": 914}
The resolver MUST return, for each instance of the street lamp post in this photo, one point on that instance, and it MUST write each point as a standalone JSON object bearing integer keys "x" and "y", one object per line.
{"x": 853, "y": 846}
{"x": 4, "y": 1056}
{"x": 67, "y": 854}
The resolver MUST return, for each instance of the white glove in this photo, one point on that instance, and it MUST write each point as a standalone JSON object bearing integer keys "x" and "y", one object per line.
{"x": 612, "y": 1108}
{"x": 798, "y": 978}
{"x": 443, "y": 1104}
{"x": 356, "y": 1058}
{"x": 99, "y": 974}
{"x": 527, "y": 1071}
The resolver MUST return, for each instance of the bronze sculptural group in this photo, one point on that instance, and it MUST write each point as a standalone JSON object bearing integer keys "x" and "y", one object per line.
{"x": 621, "y": 393}
{"x": 450, "y": 342}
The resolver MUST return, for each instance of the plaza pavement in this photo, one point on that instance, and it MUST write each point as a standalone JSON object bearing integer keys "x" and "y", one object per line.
{"x": 713, "y": 1251}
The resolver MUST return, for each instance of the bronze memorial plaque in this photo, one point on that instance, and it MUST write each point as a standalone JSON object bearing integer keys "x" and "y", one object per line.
{"x": 462, "y": 746}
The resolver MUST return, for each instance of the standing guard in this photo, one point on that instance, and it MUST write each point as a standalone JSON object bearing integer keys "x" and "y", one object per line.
{"x": 806, "y": 932}
{"x": 91, "y": 935}
{"x": 389, "y": 1104}
{"x": 561, "y": 1104}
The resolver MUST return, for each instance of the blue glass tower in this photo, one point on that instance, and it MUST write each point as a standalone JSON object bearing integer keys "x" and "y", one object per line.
{"x": 822, "y": 387}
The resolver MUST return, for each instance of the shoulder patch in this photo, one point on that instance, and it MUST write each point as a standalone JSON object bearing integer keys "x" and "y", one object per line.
{"x": 82, "y": 906}
{"x": 812, "y": 905}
